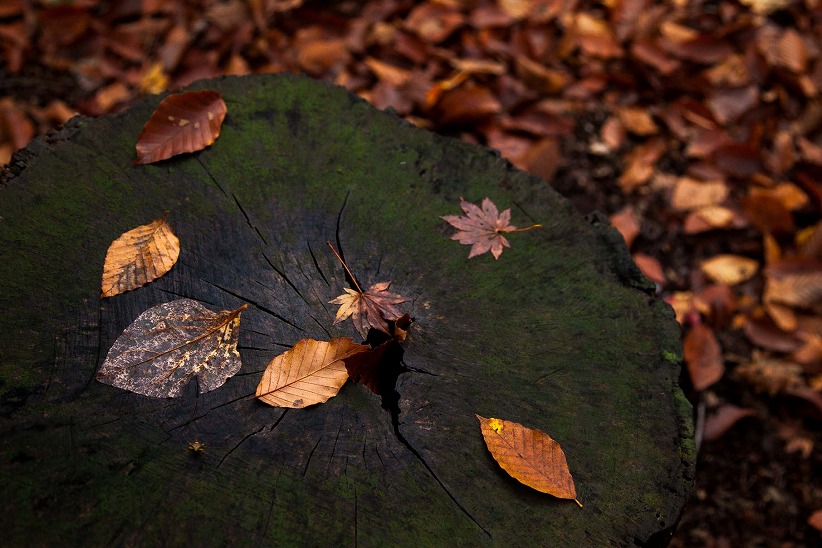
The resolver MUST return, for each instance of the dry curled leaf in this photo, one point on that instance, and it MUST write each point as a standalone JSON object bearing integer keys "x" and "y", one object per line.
{"x": 185, "y": 122}
{"x": 482, "y": 229}
{"x": 529, "y": 456}
{"x": 169, "y": 344}
{"x": 311, "y": 372}
{"x": 139, "y": 256}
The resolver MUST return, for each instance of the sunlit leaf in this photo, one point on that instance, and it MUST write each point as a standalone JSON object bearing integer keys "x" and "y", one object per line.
{"x": 311, "y": 372}
{"x": 139, "y": 256}
{"x": 172, "y": 343}
{"x": 529, "y": 456}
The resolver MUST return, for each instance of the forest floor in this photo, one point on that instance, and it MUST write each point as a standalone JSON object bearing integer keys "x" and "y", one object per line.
{"x": 696, "y": 126}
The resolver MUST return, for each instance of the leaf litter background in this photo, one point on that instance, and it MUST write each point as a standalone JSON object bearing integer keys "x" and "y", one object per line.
{"x": 696, "y": 126}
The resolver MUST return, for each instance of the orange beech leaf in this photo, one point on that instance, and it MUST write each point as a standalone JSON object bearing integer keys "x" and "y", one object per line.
{"x": 703, "y": 356}
{"x": 169, "y": 344}
{"x": 139, "y": 256}
{"x": 311, "y": 372}
{"x": 529, "y": 456}
{"x": 372, "y": 308}
{"x": 185, "y": 122}
{"x": 482, "y": 228}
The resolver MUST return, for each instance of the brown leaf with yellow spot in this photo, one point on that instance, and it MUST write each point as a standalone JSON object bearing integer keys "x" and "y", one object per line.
{"x": 185, "y": 122}
{"x": 171, "y": 343}
{"x": 311, "y": 372}
{"x": 139, "y": 256}
{"x": 529, "y": 456}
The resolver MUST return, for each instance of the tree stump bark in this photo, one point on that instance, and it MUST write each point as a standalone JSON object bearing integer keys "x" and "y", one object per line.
{"x": 562, "y": 334}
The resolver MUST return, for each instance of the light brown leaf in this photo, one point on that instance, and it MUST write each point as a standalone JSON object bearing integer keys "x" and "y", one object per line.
{"x": 729, "y": 269}
{"x": 169, "y": 344}
{"x": 482, "y": 229}
{"x": 311, "y": 372}
{"x": 703, "y": 356}
{"x": 692, "y": 193}
{"x": 139, "y": 256}
{"x": 529, "y": 456}
{"x": 185, "y": 122}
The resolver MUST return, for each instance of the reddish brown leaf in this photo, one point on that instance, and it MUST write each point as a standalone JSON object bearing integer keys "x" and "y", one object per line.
{"x": 815, "y": 520}
{"x": 625, "y": 220}
{"x": 170, "y": 344}
{"x": 15, "y": 124}
{"x": 651, "y": 267}
{"x": 530, "y": 456}
{"x": 738, "y": 159}
{"x": 372, "y": 308}
{"x": 728, "y": 105}
{"x": 467, "y": 104}
{"x": 767, "y": 213}
{"x": 764, "y": 333}
{"x": 482, "y": 229}
{"x": 719, "y": 422}
{"x": 186, "y": 122}
{"x": 641, "y": 161}
{"x": 703, "y": 356}
{"x": 543, "y": 159}
{"x": 638, "y": 121}
{"x": 794, "y": 282}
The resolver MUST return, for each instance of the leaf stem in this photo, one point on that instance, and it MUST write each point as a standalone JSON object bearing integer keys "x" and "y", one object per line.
{"x": 345, "y": 266}
{"x": 526, "y": 228}
{"x": 578, "y": 503}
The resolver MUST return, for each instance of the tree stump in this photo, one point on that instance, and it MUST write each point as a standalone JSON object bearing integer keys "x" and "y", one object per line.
{"x": 562, "y": 334}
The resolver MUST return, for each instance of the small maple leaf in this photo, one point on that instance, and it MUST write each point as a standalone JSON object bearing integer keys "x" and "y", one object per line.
{"x": 482, "y": 229}
{"x": 372, "y": 308}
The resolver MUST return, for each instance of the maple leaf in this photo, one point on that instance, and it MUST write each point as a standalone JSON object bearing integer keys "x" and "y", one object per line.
{"x": 372, "y": 308}
{"x": 482, "y": 229}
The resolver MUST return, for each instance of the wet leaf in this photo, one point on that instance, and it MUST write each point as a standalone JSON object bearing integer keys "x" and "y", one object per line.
{"x": 703, "y": 356}
{"x": 482, "y": 229}
{"x": 186, "y": 122}
{"x": 311, "y": 372}
{"x": 529, "y": 456}
{"x": 729, "y": 269}
{"x": 171, "y": 343}
{"x": 139, "y": 256}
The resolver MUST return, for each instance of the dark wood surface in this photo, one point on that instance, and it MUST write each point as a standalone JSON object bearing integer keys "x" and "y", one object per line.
{"x": 562, "y": 334}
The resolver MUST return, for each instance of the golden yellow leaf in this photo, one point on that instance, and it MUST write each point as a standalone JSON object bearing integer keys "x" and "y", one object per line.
{"x": 139, "y": 256}
{"x": 729, "y": 269}
{"x": 311, "y": 372}
{"x": 529, "y": 456}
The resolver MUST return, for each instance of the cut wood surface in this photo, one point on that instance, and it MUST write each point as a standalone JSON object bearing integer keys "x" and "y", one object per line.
{"x": 562, "y": 333}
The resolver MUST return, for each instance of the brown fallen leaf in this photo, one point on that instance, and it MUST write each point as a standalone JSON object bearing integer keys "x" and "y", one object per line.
{"x": 719, "y": 422}
{"x": 169, "y": 344}
{"x": 729, "y": 269}
{"x": 482, "y": 229}
{"x": 139, "y": 256}
{"x": 529, "y": 456}
{"x": 703, "y": 356}
{"x": 185, "y": 122}
{"x": 311, "y": 372}
{"x": 815, "y": 520}
{"x": 372, "y": 308}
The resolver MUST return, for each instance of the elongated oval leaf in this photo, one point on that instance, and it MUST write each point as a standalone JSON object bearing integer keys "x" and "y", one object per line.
{"x": 311, "y": 372}
{"x": 139, "y": 256}
{"x": 169, "y": 344}
{"x": 529, "y": 456}
{"x": 185, "y": 122}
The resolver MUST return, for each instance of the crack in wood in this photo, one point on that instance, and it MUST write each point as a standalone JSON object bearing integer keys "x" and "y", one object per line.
{"x": 248, "y": 219}
{"x": 230, "y": 451}
{"x": 257, "y": 305}
{"x": 284, "y": 277}
{"x": 311, "y": 454}
{"x": 317, "y": 264}
{"x": 199, "y": 161}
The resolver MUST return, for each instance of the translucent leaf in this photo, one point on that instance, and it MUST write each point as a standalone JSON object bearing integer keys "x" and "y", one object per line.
{"x": 171, "y": 343}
